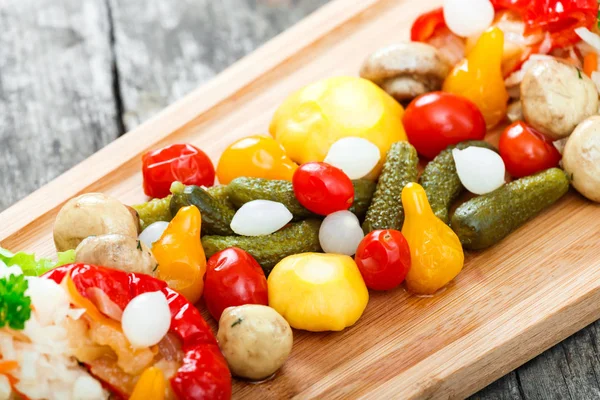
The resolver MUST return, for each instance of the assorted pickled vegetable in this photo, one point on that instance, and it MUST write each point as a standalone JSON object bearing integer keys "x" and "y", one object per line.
{"x": 349, "y": 193}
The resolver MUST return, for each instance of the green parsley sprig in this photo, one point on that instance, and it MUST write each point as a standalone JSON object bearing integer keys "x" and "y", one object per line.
{"x": 15, "y": 306}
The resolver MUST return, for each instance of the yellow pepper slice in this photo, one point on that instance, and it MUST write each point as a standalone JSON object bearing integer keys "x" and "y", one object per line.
{"x": 180, "y": 255}
{"x": 479, "y": 77}
{"x": 150, "y": 386}
{"x": 318, "y": 292}
{"x": 310, "y": 120}
{"x": 436, "y": 254}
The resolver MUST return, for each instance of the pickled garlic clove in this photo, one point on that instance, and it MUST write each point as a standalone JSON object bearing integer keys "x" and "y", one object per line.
{"x": 260, "y": 217}
{"x": 354, "y": 155}
{"x": 480, "y": 170}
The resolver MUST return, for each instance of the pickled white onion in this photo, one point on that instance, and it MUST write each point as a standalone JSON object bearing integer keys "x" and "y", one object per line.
{"x": 468, "y": 17}
{"x": 480, "y": 170}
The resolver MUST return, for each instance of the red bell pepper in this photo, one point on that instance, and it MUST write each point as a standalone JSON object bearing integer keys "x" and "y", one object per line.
{"x": 557, "y": 17}
{"x": 204, "y": 373}
{"x": 427, "y": 24}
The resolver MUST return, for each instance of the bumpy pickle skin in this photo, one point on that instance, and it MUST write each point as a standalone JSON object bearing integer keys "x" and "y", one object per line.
{"x": 441, "y": 182}
{"x": 399, "y": 169}
{"x": 486, "y": 220}
{"x": 268, "y": 250}
{"x": 216, "y": 215}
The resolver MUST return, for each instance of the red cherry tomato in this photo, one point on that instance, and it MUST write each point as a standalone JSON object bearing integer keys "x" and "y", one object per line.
{"x": 383, "y": 258}
{"x": 323, "y": 188}
{"x": 233, "y": 278}
{"x": 526, "y": 151}
{"x": 177, "y": 162}
{"x": 436, "y": 120}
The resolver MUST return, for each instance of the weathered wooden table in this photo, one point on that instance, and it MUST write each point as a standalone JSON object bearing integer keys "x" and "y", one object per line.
{"x": 76, "y": 74}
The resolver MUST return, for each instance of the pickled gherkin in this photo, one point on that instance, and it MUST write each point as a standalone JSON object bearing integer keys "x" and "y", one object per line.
{"x": 268, "y": 250}
{"x": 363, "y": 194}
{"x": 399, "y": 169}
{"x": 220, "y": 193}
{"x": 242, "y": 190}
{"x": 486, "y": 220}
{"x": 216, "y": 215}
{"x": 441, "y": 182}
{"x": 153, "y": 211}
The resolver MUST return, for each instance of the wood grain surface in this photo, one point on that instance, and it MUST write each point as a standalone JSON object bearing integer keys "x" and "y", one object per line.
{"x": 75, "y": 74}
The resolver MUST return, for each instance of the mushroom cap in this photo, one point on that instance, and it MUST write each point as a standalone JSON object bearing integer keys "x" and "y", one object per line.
{"x": 581, "y": 158}
{"x": 556, "y": 97}
{"x": 402, "y": 59}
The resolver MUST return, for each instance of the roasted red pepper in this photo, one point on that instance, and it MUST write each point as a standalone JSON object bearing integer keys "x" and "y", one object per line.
{"x": 557, "y": 17}
{"x": 204, "y": 373}
{"x": 426, "y": 25}
{"x": 178, "y": 162}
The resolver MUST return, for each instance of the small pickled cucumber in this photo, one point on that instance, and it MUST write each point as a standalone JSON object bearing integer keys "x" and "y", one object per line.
{"x": 486, "y": 220}
{"x": 153, "y": 211}
{"x": 400, "y": 168}
{"x": 363, "y": 194}
{"x": 441, "y": 182}
{"x": 216, "y": 215}
{"x": 268, "y": 250}
{"x": 242, "y": 190}
{"x": 220, "y": 193}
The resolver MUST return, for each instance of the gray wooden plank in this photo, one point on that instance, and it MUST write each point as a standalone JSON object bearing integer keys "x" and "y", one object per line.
{"x": 56, "y": 97}
{"x": 505, "y": 388}
{"x": 165, "y": 49}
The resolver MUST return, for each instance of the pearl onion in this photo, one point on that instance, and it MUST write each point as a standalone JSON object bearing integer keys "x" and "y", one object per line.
{"x": 146, "y": 319}
{"x": 480, "y": 170}
{"x": 260, "y": 217}
{"x": 353, "y": 155}
{"x": 153, "y": 232}
{"x": 340, "y": 233}
{"x": 468, "y": 17}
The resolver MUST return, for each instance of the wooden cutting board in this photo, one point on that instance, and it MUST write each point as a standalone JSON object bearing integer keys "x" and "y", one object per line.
{"x": 509, "y": 304}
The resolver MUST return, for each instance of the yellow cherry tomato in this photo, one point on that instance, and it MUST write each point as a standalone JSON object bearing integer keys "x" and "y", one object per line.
{"x": 255, "y": 156}
{"x": 312, "y": 119}
{"x": 150, "y": 386}
{"x": 436, "y": 253}
{"x": 479, "y": 77}
{"x": 180, "y": 255}
{"x": 318, "y": 292}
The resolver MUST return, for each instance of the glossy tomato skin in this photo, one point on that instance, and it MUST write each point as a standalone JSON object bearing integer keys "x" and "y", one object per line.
{"x": 177, "y": 162}
{"x": 323, "y": 188}
{"x": 233, "y": 278}
{"x": 436, "y": 120}
{"x": 383, "y": 258}
{"x": 526, "y": 151}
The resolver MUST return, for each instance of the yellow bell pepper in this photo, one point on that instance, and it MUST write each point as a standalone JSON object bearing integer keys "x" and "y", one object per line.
{"x": 436, "y": 254}
{"x": 180, "y": 255}
{"x": 310, "y": 120}
{"x": 318, "y": 292}
{"x": 255, "y": 156}
{"x": 150, "y": 386}
{"x": 479, "y": 77}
